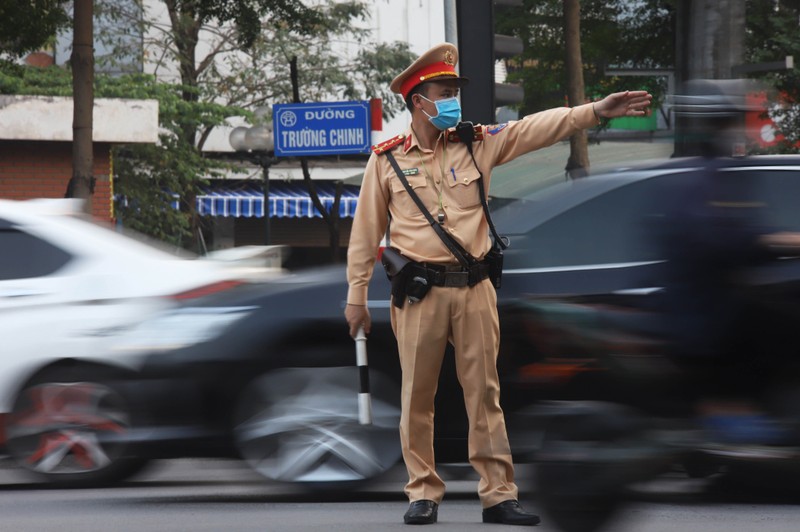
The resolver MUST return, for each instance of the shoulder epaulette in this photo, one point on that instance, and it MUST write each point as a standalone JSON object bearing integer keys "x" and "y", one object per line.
{"x": 452, "y": 136}
{"x": 388, "y": 144}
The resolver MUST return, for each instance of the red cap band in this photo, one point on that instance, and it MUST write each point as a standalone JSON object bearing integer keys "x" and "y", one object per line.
{"x": 425, "y": 73}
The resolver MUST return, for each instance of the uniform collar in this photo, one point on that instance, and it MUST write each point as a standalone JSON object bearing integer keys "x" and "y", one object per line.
{"x": 412, "y": 141}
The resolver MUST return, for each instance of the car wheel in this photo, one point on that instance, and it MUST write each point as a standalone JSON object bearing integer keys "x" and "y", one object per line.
{"x": 570, "y": 497}
{"x": 72, "y": 433}
{"x": 586, "y": 464}
{"x": 301, "y": 425}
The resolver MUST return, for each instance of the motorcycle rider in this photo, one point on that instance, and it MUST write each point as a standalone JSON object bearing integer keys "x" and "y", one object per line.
{"x": 712, "y": 230}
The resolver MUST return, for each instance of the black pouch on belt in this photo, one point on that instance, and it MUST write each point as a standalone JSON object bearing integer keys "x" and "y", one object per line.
{"x": 409, "y": 279}
{"x": 494, "y": 260}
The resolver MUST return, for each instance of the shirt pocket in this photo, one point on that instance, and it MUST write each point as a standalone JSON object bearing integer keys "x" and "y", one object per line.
{"x": 464, "y": 185}
{"x": 400, "y": 195}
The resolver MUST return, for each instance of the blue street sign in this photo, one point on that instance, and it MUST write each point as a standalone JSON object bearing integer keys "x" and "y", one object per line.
{"x": 323, "y": 128}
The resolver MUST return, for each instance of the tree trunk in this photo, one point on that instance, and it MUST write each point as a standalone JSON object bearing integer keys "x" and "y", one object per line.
{"x": 578, "y": 163}
{"x": 82, "y": 61}
{"x": 186, "y": 29}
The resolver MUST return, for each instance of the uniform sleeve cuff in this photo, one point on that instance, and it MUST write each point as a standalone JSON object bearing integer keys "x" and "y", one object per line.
{"x": 585, "y": 116}
{"x": 357, "y": 295}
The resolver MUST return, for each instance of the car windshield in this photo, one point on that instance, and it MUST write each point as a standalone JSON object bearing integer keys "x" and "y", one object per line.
{"x": 524, "y": 176}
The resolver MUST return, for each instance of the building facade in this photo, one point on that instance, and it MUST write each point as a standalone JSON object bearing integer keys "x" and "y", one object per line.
{"x": 36, "y": 145}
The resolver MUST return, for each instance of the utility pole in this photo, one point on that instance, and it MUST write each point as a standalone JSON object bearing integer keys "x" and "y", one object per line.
{"x": 451, "y": 22}
{"x": 709, "y": 44}
{"x": 710, "y": 38}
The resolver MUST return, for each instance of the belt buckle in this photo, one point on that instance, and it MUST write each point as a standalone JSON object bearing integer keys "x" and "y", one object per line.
{"x": 456, "y": 279}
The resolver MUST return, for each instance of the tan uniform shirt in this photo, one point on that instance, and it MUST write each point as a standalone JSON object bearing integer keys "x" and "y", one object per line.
{"x": 445, "y": 179}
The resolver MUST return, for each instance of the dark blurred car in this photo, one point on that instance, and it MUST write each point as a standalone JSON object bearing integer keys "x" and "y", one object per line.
{"x": 268, "y": 372}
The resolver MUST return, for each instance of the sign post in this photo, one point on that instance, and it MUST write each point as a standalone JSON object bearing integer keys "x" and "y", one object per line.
{"x": 323, "y": 128}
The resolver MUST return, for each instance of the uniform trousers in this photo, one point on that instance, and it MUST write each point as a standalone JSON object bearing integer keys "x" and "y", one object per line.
{"x": 467, "y": 318}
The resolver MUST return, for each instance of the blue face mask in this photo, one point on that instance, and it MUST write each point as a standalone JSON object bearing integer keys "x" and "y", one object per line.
{"x": 448, "y": 113}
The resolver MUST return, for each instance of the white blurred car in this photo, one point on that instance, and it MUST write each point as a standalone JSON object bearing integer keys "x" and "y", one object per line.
{"x": 68, "y": 288}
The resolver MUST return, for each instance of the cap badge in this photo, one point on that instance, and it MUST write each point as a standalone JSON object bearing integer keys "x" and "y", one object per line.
{"x": 449, "y": 59}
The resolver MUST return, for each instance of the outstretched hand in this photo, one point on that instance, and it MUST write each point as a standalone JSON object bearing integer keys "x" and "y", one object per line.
{"x": 628, "y": 103}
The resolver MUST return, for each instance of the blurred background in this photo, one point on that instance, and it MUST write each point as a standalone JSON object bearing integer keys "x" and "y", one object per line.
{"x": 172, "y": 267}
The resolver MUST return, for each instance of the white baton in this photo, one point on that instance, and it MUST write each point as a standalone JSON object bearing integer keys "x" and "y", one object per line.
{"x": 364, "y": 400}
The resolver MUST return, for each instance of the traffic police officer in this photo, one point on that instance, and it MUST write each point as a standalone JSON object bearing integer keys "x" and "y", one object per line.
{"x": 440, "y": 170}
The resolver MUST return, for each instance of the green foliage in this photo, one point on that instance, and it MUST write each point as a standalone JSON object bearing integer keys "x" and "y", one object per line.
{"x": 771, "y": 35}
{"x": 246, "y": 15}
{"x": 145, "y": 194}
{"x": 27, "y": 25}
{"x": 19, "y": 79}
{"x": 614, "y": 34}
{"x": 151, "y": 177}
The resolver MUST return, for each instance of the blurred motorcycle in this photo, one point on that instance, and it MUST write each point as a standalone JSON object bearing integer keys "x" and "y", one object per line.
{"x": 629, "y": 409}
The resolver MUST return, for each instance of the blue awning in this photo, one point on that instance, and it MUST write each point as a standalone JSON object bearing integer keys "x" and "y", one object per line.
{"x": 286, "y": 200}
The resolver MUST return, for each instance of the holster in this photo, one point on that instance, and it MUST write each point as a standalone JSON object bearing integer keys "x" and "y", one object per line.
{"x": 409, "y": 279}
{"x": 494, "y": 260}
{"x": 393, "y": 262}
